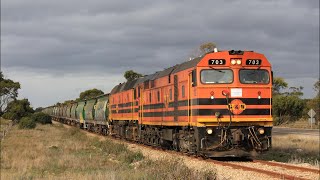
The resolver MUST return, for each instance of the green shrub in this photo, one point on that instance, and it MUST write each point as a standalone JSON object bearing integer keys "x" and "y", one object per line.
{"x": 9, "y": 115}
{"x": 27, "y": 123}
{"x": 287, "y": 108}
{"x": 130, "y": 157}
{"x": 121, "y": 151}
{"x": 17, "y": 109}
{"x": 42, "y": 118}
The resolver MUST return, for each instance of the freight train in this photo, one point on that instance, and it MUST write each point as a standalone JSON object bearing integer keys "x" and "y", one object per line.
{"x": 215, "y": 105}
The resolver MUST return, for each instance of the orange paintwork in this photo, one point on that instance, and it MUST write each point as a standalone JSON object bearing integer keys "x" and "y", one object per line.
{"x": 201, "y": 91}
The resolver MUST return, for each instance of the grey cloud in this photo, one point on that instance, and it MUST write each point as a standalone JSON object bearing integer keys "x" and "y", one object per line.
{"x": 61, "y": 37}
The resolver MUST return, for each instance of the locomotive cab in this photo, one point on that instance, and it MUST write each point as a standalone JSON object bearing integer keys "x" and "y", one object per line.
{"x": 231, "y": 109}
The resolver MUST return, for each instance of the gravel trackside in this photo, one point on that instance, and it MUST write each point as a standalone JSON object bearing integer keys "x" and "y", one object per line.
{"x": 223, "y": 172}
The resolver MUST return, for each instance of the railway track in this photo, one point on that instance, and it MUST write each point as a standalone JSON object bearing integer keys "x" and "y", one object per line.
{"x": 287, "y": 166}
{"x": 257, "y": 166}
{"x": 271, "y": 173}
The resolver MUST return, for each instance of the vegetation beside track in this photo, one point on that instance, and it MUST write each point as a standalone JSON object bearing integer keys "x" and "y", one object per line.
{"x": 4, "y": 123}
{"x": 301, "y": 124}
{"x": 294, "y": 149}
{"x": 56, "y": 152}
{"x": 5, "y": 126}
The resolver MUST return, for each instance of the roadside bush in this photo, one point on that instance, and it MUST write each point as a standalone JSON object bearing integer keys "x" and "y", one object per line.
{"x": 40, "y": 117}
{"x": 287, "y": 108}
{"x": 17, "y": 109}
{"x": 27, "y": 123}
{"x": 9, "y": 115}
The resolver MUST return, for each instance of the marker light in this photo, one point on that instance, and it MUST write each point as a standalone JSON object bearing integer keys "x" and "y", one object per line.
{"x": 259, "y": 94}
{"x": 261, "y": 131}
{"x": 209, "y": 131}
{"x": 233, "y": 62}
{"x": 238, "y": 62}
{"x": 212, "y": 93}
{"x": 225, "y": 93}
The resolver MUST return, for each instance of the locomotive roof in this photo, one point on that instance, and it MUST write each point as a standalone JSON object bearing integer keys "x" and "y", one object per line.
{"x": 166, "y": 72}
{"x": 187, "y": 65}
{"x": 102, "y": 95}
{"x": 129, "y": 85}
{"x": 121, "y": 88}
{"x": 116, "y": 88}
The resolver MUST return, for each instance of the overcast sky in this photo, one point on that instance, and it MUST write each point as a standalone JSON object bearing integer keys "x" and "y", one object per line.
{"x": 56, "y": 49}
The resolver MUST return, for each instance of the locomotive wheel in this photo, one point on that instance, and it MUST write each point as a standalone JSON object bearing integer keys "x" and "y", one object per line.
{"x": 175, "y": 144}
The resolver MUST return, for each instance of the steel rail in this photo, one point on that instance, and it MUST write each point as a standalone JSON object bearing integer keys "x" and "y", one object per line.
{"x": 286, "y": 166}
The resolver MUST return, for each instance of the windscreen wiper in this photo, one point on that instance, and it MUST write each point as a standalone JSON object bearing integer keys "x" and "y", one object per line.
{"x": 216, "y": 69}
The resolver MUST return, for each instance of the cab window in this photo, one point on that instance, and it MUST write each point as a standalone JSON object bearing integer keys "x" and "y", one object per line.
{"x": 254, "y": 76}
{"x": 216, "y": 76}
{"x": 183, "y": 91}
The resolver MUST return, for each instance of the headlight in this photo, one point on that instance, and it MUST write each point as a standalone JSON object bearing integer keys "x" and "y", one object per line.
{"x": 238, "y": 62}
{"x": 261, "y": 131}
{"x": 233, "y": 62}
{"x": 209, "y": 131}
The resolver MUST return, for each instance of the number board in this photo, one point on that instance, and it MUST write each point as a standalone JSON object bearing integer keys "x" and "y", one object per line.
{"x": 217, "y": 62}
{"x": 253, "y": 62}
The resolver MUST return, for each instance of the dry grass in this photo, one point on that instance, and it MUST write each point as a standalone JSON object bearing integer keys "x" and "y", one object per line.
{"x": 294, "y": 149}
{"x": 56, "y": 152}
{"x": 301, "y": 123}
{"x": 4, "y": 123}
{"x": 5, "y": 126}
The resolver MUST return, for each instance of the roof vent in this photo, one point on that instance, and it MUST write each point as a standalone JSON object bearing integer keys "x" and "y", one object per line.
{"x": 233, "y": 52}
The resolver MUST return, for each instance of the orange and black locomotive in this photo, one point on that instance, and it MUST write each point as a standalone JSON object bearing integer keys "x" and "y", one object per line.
{"x": 218, "y": 104}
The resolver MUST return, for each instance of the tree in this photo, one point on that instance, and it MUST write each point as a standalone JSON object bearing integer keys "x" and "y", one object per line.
{"x": 316, "y": 87}
{"x": 314, "y": 103}
{"x": 286, "y": 105}
{"x": 131, "y": 75}
{"x": 91, "y": 93}
{"x": 42, "y": 118}
{"x": 202, "y": 49}
{"x": 38, "y": 109}
{"x": 287, "y": 108}
{"x": 207, "y": 47}
{"x": 27, "y": 123}
{"x": 8, "y": 92}
{"x": 278, "y": 85}
{"x": 68, "y": 101}
{"x": 296, "y": 91}
{"x": 17, "y": 109}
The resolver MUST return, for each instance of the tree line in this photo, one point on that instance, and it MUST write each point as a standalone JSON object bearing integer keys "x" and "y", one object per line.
{"x": 288, "y": 104}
